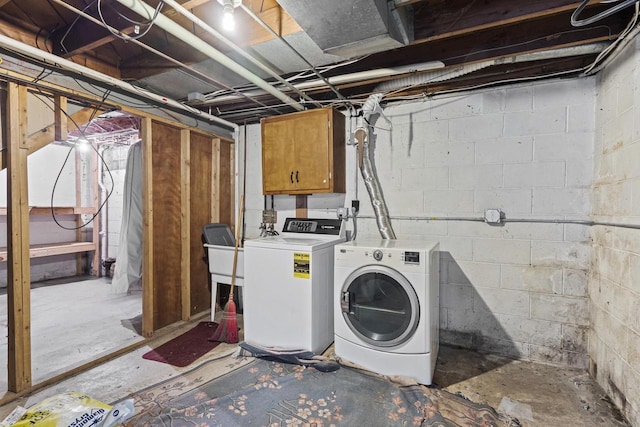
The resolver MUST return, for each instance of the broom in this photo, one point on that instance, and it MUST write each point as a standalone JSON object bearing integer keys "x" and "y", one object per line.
{"x": 227, "y": 330}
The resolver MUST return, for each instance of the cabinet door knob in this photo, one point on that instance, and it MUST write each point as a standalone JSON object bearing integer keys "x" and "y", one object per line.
{"x": 291, "y": 177}
{"x": 297, "y": 180}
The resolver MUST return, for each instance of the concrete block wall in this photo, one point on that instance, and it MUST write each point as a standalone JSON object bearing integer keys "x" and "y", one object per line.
{"x": 614, "y": 282}
{"x": 518, "y": 289}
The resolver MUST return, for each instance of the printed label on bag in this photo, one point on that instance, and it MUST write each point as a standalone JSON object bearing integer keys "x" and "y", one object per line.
{"x": 302, "y": 265}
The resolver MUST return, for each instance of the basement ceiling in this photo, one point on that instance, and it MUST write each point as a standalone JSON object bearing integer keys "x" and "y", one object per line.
{"x": 318, "y": 52}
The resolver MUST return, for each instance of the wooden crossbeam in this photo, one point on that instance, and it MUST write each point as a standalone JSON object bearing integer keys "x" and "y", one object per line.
{"x": 47, "y": 135}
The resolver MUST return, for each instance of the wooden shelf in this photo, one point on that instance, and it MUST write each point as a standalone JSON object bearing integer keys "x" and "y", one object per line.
{"x": 60, "y": 210}
{"x": 37, "y": 251}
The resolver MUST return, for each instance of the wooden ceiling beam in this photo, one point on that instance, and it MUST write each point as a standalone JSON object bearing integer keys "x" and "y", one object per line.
{"x": 514, "y": 39}
{"x": 87, "y": 36}
{"x": 29, "y": 38}
{"x": 83, "y": 35}
{"x": 147, "y": 64}
{"x": 437, "y": 20}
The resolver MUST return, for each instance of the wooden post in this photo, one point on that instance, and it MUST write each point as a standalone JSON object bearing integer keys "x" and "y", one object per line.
{"x": 147, "y": 227}
{"x": 232, "y": 185}
{"x": 301, "y": 206}
{"x": 185, "y": 226}
{"x": 95, "y": 197}
{"x": 18, "y": 274}
{"x": 215, "y": 181}
{"x": 60, "y": 122}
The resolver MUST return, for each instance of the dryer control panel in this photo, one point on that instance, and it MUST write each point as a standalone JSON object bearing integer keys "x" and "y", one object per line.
{"x": 411, "y": 257}
{"x": 403, "y": 256}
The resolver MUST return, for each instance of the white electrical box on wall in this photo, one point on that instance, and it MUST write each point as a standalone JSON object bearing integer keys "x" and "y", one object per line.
{"x": 493, "y": 216}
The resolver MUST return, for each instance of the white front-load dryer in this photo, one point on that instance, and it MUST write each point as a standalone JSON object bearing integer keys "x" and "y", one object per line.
{"x": 387, "y": 306}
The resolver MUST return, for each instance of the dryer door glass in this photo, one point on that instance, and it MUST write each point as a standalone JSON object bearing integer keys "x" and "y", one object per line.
{"x": 380, "y": 306}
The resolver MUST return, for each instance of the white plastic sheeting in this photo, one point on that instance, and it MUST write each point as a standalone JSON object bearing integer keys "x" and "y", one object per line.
{"x": 128, "y": 270}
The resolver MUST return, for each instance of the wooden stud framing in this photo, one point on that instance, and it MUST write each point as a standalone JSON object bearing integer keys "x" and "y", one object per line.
{"x": 185, "y": 145}
{"x": 147, "y": 227}
{"x": 95, "y": 197}
{"x": 79, "y": 219}
{"x": 47, "y": 135}
{"x": 215, "y": 180}
{"x": 232, "y": 186}
{"x": 3, "y": 134}
{"x": 60, "y": 122}
{"x": 301, "y": 206}
{"x": 18, "y": 274}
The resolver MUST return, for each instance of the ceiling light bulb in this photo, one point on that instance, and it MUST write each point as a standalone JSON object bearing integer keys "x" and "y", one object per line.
{"x": 228, "y": 23}
{"x": 82, "y": 144}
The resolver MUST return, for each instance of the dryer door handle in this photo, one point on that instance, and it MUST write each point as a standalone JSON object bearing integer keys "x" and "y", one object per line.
{"x": 344, "y": 302}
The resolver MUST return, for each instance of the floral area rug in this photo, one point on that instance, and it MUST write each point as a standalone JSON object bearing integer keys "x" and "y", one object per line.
{"x": 267, "y": 393}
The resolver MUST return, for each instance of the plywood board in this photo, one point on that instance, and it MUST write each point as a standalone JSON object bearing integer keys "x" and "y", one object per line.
{"x": 167, "y": 232}
{"x": 201, "y": 195}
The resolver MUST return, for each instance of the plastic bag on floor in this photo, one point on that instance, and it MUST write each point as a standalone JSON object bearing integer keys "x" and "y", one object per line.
{"x": 70, "y": 409}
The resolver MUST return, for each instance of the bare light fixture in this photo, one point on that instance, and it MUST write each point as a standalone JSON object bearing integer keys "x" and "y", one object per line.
{"x": 228, "y": 22}
{"x": 82, "y": 144}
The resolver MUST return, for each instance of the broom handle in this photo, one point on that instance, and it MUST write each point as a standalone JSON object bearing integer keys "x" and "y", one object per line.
{"x": 235, "y": 251}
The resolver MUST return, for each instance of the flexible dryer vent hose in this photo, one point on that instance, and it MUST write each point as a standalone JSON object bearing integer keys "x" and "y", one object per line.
{"x": 365, "y": 135}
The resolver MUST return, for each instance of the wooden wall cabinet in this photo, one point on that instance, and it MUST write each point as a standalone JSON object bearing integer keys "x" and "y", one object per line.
{"x": 304, "y": 152}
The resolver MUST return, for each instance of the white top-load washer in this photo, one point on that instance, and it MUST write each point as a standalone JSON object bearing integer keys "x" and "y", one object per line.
{"x": 387, "y": 306}
{"x": 288, "y": 285}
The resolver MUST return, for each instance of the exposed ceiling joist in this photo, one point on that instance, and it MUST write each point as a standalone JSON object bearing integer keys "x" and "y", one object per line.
{"x": 456, "y": 32}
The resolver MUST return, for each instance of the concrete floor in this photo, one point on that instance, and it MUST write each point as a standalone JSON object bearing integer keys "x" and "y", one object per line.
{"x": 73, "y": 323}
{"x": 538, "y": 395}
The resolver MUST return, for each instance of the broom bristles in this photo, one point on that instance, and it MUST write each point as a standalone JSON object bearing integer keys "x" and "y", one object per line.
{"x": 227, "y": 330}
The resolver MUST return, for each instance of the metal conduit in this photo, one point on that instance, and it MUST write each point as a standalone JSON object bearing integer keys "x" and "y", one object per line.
{"x": 58, "y": 62}
{"x": 199, "y": 22}
{"x": 371, "y": 181}
{"x": 137, "y": 42}
{"x": 588, "y": 223}
{"x": 298, "y": 54}
{"x": 144, "y": 10}
{"x": 372, "y": 104}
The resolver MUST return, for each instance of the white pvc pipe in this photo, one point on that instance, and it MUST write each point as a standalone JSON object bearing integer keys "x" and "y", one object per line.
{"x": 200, "y": 23}
{"x": 375, "y": 73}
{"x": 58, "y": 62}
{"x": 144, "y": 10}
{"x": 151, "y": 49}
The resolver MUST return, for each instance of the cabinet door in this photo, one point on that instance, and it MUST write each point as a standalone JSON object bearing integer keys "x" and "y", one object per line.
{"x": 312, "y": 152}
{"x": 277, "y": 157}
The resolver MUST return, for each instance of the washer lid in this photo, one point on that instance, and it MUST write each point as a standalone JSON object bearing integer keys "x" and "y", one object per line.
{"x": 292, "y": 243}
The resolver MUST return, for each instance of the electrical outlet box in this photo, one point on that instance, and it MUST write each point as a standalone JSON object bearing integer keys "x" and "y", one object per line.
{"x": 493, "y": 216}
